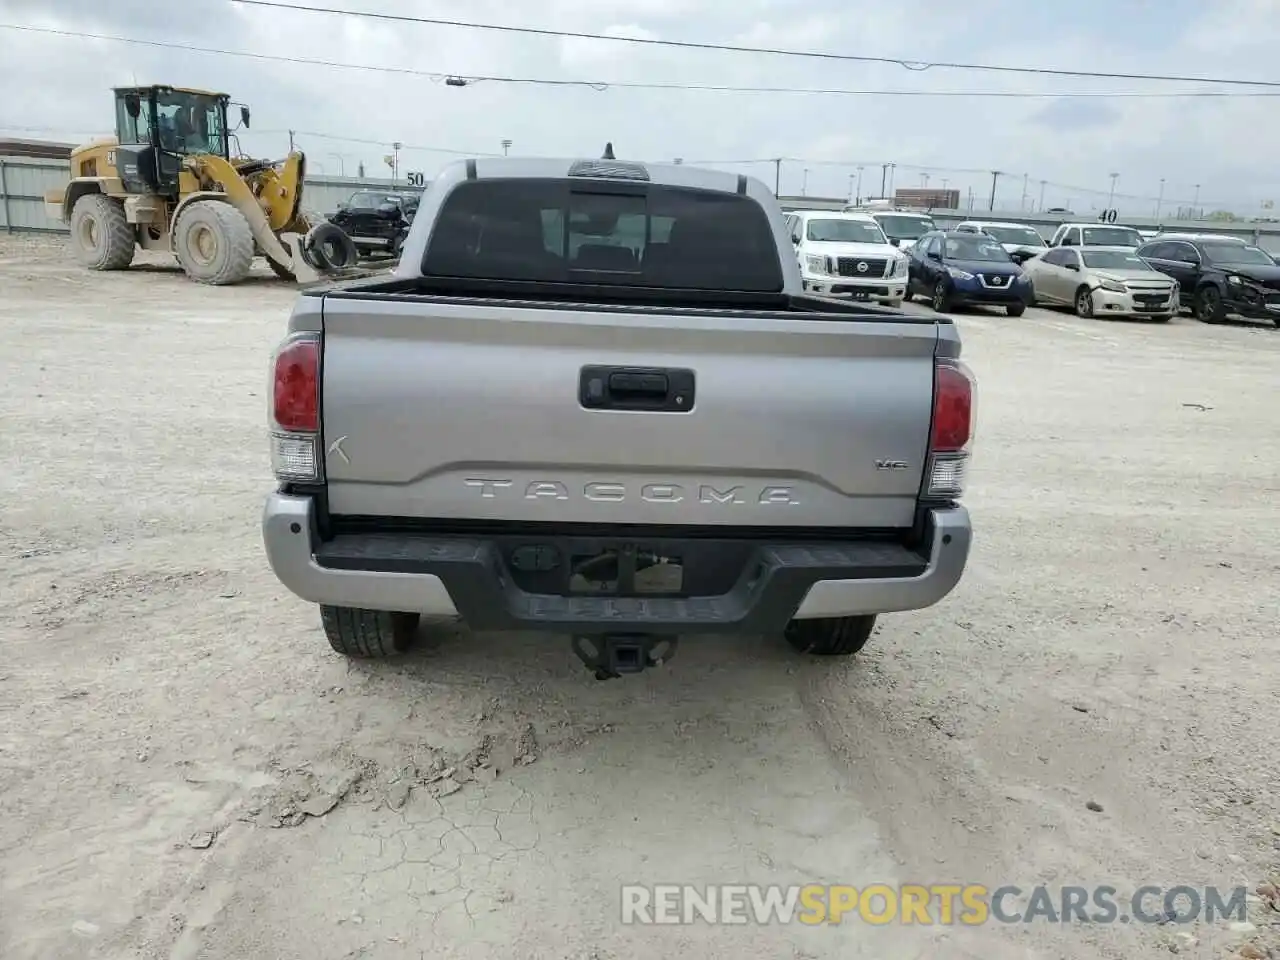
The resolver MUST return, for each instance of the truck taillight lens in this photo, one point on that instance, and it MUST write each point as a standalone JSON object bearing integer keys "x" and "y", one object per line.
{"x": 295, "y": 408}
{"x": 951, "y": 434}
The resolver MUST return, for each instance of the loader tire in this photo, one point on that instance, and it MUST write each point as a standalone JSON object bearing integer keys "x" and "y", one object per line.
{"x": 367, "y": 634}
{"x": 214, "y": 243}
{"x": 101, "y": 236}
{"x": 831, "y": 636}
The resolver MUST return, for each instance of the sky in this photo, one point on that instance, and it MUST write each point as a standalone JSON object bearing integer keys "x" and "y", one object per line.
{"x": 1052, "y": 150}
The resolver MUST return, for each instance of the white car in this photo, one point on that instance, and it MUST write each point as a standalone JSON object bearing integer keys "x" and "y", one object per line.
{"x": 847, "y": 254}
{"x": 903, "y": 229}
{"x": 1096, "y": 235}
{"x": 1020, "y": 241}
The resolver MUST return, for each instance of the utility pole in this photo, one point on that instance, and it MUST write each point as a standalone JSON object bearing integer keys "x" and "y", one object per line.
{"x": 506, "y": 146}
{"x": 342, "y": 170}
{"x": 1196, "y": 204}
{"x": 804, "y": 184}
{"x": 851, "y": 179}
{"x": 893, "y": 167}
{"x": 858, "y": 193}
{"x": 1111, "y": 199}
{"x": 291, "y": 141}
{"x": 1022, "y": 204}
{"x": 971, "y": 199}
{"x": 995, "y": 175}
{"x": 884, "y": 173}
{"x": 1042, "y": 183}
{"x": 1160, "y": 199}
{"x": 777, "y": 177}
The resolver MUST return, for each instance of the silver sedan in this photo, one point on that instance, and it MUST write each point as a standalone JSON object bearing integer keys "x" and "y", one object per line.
{"x": 1102, "y": 282}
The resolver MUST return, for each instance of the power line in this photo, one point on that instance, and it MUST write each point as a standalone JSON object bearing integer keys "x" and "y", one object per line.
{"x": 938, "y": 168}
{"x": 913, "y": 65}
{"x": 605, "y": 85}
{"x": 850, "y": 164}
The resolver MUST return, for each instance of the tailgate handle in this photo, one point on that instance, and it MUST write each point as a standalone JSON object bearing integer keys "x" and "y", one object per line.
{"x": 638, "y": 385}
{"x": 636, "y": 388}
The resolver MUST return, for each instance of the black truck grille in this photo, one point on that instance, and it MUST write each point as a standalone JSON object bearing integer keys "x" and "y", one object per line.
{"x": 871, "y": 266}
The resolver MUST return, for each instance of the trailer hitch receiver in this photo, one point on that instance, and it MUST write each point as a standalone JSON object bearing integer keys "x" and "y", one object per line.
{"x": 611, "y": 655}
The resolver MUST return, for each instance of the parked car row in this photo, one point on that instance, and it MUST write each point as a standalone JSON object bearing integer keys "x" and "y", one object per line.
{"x": 1099, "y": 270}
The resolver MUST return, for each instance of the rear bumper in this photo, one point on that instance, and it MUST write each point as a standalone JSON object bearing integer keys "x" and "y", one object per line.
{"x": 470, "y": 577}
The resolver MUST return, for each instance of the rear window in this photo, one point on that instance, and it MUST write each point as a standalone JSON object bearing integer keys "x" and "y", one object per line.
{"x": 559, "y": 231}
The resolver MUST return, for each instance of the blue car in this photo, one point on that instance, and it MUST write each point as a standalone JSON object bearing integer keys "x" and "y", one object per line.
{"x": 956, "y": 269}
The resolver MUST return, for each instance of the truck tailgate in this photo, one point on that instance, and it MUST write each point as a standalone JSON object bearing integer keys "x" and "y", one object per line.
{"x": 452, "y": 409}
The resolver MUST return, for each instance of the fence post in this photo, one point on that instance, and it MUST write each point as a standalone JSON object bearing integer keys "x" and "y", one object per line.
{"x": 4, "y": 199}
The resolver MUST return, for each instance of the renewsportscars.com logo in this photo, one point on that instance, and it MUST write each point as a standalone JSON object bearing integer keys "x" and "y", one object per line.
{"x": 926, "y": 904}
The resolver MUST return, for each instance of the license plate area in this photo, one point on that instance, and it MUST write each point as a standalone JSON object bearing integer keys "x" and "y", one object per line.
{"x": 599, "y": 567}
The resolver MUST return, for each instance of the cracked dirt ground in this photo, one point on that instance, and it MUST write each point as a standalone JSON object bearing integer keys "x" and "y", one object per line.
{"x": 188, "y": 773}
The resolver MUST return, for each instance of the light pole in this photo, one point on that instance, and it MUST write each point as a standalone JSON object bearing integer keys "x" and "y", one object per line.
{"x": 1022, "y": 204}
{"x": 1196, "y": 204}
{"x": 851, "y": 194}
{"x": 506, "y": 146}
{"x": 892, "y": 168}
{"x": 858, "y": 192}
{"x": 804, "y": 183}
{"x": 924, "y": 181}
{"x": 395, "y": 165}
{"x": 1042, "y": 183}
{"x": 1111, "y": 199}
{"x": 342, "y": 171}
{"x": 1160, "y": 199}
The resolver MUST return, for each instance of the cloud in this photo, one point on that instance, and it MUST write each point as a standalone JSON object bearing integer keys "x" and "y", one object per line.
{"x": 1073, "y": 144}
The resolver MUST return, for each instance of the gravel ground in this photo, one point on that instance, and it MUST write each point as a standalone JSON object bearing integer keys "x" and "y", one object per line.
{"x": 189, "y": 772}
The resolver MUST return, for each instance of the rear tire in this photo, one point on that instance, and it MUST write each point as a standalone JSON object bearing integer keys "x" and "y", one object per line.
{"x": 100, "y": 234}
{"x": 214, "y": 243}
{"x": 1016, "y": 309}
{"x": 831, "y": 636}
{"x": 368, "y": 634}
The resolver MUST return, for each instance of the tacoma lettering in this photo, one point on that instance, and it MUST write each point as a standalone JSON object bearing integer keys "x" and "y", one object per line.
{"x": 604, "y": 491}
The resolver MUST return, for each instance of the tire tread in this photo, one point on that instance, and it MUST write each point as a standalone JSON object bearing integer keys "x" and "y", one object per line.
{"x": 367, "y": 634}
{"x": 831, "y": 636}
{"x": 119, "y": 241}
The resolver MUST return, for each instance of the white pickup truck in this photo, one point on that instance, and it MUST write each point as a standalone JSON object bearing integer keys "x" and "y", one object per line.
{"x": 593, "y": 399}
{"x": 847, "y": 254}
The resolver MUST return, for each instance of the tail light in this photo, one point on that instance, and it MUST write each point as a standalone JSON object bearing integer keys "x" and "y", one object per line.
{"x": 295, "y": 408}
{"x": 951, "y": 434}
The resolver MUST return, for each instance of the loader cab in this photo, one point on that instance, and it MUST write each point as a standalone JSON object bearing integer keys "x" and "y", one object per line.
{"x": 157, "y": 126}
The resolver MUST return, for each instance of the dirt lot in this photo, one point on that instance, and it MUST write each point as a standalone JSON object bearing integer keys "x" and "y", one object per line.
{"x": 188, "y": 772}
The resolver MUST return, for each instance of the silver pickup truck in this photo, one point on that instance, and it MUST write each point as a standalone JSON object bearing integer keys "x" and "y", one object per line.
{"x": 593, "y": 399}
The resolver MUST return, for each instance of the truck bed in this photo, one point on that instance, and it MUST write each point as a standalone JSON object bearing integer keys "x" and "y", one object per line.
{"x": 447, "y": 400}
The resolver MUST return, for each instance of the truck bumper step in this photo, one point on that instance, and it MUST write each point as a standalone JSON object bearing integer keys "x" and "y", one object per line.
{"x": 762, "y": 585}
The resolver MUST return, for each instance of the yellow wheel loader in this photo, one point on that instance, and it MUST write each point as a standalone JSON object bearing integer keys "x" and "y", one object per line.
{"x": 168, "y": 181}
